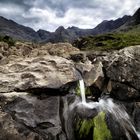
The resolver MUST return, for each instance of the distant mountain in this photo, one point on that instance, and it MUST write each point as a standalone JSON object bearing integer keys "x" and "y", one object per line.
{"x": 114, "y": 35}
{"x": 72, "y": 33}
{"x": 11, "y": 28}
{"x": 20, "y": 32}
{"x": 108, "y": 26}
{"x": 132, "y": 23}
{"x": 64, "y": 35}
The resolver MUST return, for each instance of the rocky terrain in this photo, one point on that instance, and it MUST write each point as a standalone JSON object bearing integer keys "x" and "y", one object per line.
{"x": 39, "y": 85}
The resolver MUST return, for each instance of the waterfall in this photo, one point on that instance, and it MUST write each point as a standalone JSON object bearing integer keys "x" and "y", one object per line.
{"x": 82, "y": 91}
{"x": 108, "y": 106}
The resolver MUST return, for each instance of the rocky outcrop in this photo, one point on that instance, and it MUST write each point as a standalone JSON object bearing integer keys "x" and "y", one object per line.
{"x": 38, "y": 88}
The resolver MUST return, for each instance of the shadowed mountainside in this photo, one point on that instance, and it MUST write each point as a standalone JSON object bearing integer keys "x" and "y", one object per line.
{"x": 20, "y": 32}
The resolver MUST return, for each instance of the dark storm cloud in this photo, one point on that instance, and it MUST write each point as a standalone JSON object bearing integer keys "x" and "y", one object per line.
{"x": 22, "y": 3}
{"x": 49, "y": 14}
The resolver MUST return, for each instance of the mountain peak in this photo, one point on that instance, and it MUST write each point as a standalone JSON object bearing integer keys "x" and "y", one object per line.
{"x": 137, "y": 12}
{"x": 59, "y": 29}
{"x": 136, "y": 17}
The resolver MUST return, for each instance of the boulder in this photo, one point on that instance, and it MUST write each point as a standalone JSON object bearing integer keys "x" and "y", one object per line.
{"x": 39, "y": 72}
{"x": 123, "y": 92}
{"x": 123, "y": 66}
{"x": 28, "y": 117}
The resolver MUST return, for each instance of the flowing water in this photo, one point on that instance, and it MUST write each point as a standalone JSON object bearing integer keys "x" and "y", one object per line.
{"x": 108, "y": 106}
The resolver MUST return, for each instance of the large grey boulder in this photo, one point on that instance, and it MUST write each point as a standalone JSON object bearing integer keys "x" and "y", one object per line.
{"x": 39, "y": 114}
{"x": 124, "y": 66}
{"x": 40, "y": 72}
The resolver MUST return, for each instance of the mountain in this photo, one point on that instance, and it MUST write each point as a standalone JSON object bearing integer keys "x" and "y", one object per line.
{"x": 113, "y": 35}
{"x": 108, "y": 26}
{"x": 72, "y": 33}
{"x": 17, "y": 31}
{"x": 20, "y": 32}
{"x": 64, "y": 35}
{"x": 132, "y": 24}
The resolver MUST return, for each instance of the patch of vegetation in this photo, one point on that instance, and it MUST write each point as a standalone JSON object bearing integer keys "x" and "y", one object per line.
{"x": 93, "y": 129}
{"x": 84, "y": 129}
{"x": 8, "y": 40}
{"x": 111, "y": 41}
{"x": 101, "y": 132}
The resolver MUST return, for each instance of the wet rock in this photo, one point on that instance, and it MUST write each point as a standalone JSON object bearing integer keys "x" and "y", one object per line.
{"x": 136, "y": 115}
{"x": 91, "y": 73}
{"x": 85, "y": 112}
{"x": 123, "y": 92}
{"x": 117, "y": 130}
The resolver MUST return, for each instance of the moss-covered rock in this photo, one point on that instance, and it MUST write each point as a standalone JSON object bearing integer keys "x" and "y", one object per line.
{"x": 84, "y": 129}
{"x": 101, "y": 132}
{"x": 93, "y": 129}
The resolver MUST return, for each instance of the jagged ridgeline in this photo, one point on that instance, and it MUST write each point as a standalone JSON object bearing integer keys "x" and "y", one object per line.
{"x": 123, "y": 24}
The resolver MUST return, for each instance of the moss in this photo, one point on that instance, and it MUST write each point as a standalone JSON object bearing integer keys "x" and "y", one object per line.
{"x": 77, "y": 90}
{"x": 93, "y": 129}
{"x": 101, "y": 132}
{"x": 88, "y": 91}
{"x": 84, "y": 129}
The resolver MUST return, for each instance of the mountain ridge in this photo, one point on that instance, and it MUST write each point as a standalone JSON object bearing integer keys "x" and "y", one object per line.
{"x": 20, "y": 32}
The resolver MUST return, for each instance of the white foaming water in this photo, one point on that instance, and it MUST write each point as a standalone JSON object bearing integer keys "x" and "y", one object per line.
{"x": 82, "y": 91}
{"x": 108, "y": 106}
{"x": 90, "y": 105}
{"x": 138, "y": 133}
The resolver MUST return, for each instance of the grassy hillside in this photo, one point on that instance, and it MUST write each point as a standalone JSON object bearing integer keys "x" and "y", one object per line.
{"x": 111, "y": 41}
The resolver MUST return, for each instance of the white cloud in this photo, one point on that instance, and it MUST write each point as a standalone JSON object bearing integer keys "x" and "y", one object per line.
{"x": 49, "y": 14}
{"x": 10, "y": 9}
{"x": 73, "y": 17}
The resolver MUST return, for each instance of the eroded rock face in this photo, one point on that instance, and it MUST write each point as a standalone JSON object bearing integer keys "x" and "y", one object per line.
{"x": 125, "y": 66}
{"x": 121, "y": 67}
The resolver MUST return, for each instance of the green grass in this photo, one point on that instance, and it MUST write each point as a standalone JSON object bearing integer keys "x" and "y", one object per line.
{"x": 111, "y": 41}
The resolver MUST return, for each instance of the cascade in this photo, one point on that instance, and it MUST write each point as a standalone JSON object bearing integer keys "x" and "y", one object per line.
{"x": 108, "y": 106}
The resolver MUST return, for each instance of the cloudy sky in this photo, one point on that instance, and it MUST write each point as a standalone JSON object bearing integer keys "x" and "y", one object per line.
{"x": 49, "y": 14}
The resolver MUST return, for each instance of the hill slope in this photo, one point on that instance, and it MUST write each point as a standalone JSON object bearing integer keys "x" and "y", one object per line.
{"x": 17, "y": 31}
